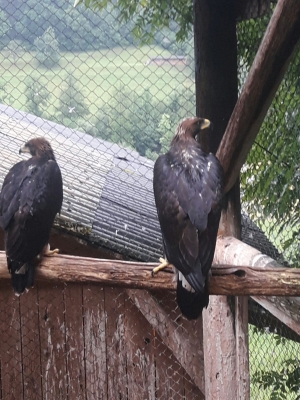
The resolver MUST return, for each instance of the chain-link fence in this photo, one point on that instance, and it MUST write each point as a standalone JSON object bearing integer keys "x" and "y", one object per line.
{"x": 270, "y": 197}
{"x": 109, "y": 106}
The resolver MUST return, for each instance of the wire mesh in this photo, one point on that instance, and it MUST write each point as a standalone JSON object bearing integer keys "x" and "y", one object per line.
{"x": 271, "y": 173}
{"x": 109, "y": 106}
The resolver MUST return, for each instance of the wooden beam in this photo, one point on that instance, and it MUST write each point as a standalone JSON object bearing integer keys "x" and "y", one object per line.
{"x": 278, "y": 307}
{"x": 127, "y": 274}
{"x": 230, "y": 225}
{"x": 256, "y": 277}
{"x": 242, "y": 347}
{"x": 216, "y": 344}
{"x": 266, "y": 73}
{"x": 254, "y": 281}
{"x": 231, "y": 251}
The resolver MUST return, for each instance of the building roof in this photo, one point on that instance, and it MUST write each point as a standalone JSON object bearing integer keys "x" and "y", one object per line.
{"x": 108, "y": 196}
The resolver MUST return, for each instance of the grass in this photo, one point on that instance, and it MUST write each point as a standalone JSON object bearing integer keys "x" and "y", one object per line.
{"x": 266, "y": 354}
{"x": 98, "y": 74}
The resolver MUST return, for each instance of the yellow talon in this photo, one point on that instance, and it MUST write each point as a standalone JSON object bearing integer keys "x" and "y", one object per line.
{"x": 47, "y": 252}
{"x": 163, "y": 264}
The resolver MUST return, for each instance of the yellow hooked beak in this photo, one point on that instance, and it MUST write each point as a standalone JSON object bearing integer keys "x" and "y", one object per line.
{"x": 205, "y": 124}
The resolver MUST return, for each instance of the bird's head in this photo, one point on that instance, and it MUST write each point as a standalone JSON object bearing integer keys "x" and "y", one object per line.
{"x": 190, "y": 128}
{"x": 38, "y": 147}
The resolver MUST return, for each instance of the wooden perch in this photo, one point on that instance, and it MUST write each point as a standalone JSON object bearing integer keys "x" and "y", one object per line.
{"x": 253, "y": 274}
{"x": 230, "y": 250}
{"x": 266, "y": 73}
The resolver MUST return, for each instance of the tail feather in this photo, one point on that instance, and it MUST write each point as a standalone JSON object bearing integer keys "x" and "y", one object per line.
{"x": 191, "y": 303}
{"x": 22, "y": 280}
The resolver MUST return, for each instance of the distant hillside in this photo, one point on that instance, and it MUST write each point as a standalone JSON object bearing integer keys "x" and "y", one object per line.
{"x": 75, "y": 28}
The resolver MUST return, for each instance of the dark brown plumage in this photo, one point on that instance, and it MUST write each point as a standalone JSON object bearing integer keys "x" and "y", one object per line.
{"x": 187, "y": 186}
{"x": 30, "y": 198}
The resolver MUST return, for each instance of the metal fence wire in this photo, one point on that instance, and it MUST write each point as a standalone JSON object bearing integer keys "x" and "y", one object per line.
{"x": 109, "y": 106}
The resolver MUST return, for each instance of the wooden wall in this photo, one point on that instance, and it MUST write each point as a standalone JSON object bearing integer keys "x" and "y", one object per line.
{"x": 82, "y": 341}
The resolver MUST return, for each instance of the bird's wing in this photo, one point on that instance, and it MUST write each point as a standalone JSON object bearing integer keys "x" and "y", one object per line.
{"x": 9, "y": 196}
{"x": 200, "y": 191}
{"x": 184, "y": 202}
{"x": 30, "y": 216}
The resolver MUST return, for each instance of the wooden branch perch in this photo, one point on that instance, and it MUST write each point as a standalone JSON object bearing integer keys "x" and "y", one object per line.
{"x": 241, "y": 270}
{"x": 266, "y": 73}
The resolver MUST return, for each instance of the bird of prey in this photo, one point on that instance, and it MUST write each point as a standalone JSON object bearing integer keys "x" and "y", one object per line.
{"x": 187, "y": 185}
{"x": 30, "y": 198}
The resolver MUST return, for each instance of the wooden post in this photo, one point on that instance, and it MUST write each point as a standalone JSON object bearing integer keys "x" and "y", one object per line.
{"x": 231, "y": 225}
{"x": 216, "y": 95}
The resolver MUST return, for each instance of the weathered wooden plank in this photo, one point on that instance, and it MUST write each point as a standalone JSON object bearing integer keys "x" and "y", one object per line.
{"x": 31, "y": 350}
{"x": 169, "y": 378}
{"x": 10, "y": 344}
{"x": 116, "y": 347}
{"x": 222, "y": 380}
{"x": 242, "y": 347}
{"x": 172, "y": 379}
{"x": 268, "y": 68}
{"x": 53, "y": 341}
{"x": 140, "y": 354}
{"x": 95, "y": 342}
{"x": 191, "y": 391}
{"x": 216, "y": 367}
{"x": 173, "y": 335}
{"x": 74, "y": 341}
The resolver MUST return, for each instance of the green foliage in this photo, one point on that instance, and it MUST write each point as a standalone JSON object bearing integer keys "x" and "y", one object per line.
{"x": 141, "y": 121}
{"x": 74, "y": 29}
{"x": 47, "y": 52}
{"x": 271, "y": 175}
{"x": 72, "y": 107}
{"x": 5, "y": 96}
{"x": 14, "y": 47}
{"x": 131, "y": 119}
{"x": 83, "y": 29}
{"x": 151, "y": 15}
{"x": 284, "y": 382}
{"x": 37, "y": 96}
{"x": 5, "y": 24}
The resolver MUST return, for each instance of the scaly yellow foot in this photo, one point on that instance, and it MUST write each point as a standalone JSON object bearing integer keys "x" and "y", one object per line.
{"x": 163, "y": 264}
{"x": 47, "y": 252}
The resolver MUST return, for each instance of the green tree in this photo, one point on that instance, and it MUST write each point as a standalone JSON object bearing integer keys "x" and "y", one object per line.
{"x": 283, "y": 383}
{"x": 37, "y": 97}
{"x": 75, "y": 30}
{"x": 271, "y": 175}
{"x": 5, "y": 97}
{"x": 72, "y": 107}
{"x": 150, "y": 16}
{"x": 131, "y": 120}
{"x": 47, "y": 51}
{"x": 141, "y": 121}
{"x": 5, "y": 24}
{"x": 15, "y": 50}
